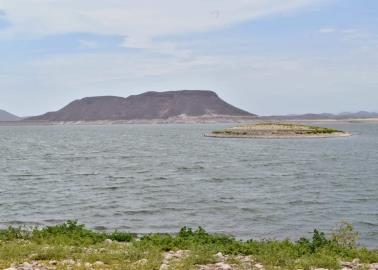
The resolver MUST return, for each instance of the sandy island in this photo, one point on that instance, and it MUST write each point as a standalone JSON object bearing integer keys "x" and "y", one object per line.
{"x": 277, "y": 131}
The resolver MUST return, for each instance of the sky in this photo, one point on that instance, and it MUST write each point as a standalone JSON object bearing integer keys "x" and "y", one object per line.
{"x": 265, "y": 56}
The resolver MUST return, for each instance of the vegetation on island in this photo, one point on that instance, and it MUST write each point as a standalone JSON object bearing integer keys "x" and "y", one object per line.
{"x": 275, "y": 130}
{"x": 72, "y": 246}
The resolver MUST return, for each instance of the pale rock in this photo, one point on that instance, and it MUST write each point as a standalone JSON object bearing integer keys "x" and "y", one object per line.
{"x": 108, "y": 241}
{"x": 223, "y": 266}
{"x": 347, "y": 264}
{"x": 141, "y": 262}
{"x": 98, "y": 263}
{"x": 69, "y": 262}
{"x": 219, "y": 256}
{"x": 164, "y": 267}
{"x": 87, "y": 265}
{"x": 259, "y": 266}
{"x": 53, "y": 262}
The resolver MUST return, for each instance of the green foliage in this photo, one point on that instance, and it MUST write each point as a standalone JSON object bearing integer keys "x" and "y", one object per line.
{"x": 68, "y": 233}
{"x": 13, "y": 233}
{"x": 345, "y": 235}
{"x": 73, "y": 241}
{"x": 318, "y": 241}
{"x": 120, "y": 236}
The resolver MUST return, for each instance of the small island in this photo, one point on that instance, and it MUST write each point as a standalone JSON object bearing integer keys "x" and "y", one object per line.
{"x": 277, "y": 131}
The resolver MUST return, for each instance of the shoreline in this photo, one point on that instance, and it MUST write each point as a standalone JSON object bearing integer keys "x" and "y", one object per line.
{"x": 72, "y": 246}
{"x": 193, "y": 120}
{"x": 277, "y": 130}
{"x": 336, "y": 135}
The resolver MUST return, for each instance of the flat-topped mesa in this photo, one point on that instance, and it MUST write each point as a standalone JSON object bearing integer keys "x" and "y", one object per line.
{"x": 146, "y": 106}
{"x": 277, "y": 130}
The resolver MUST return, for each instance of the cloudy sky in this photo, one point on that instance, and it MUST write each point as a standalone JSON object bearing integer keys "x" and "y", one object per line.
{"x": 265, "y": 56}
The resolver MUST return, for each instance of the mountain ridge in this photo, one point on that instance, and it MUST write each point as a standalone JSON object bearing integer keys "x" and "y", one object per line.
{"x": 146, "y": 106}
{"x": 6, "y": 116}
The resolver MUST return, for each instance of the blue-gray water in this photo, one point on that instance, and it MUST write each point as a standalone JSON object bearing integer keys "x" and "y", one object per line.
{"x": 157, "y": 178}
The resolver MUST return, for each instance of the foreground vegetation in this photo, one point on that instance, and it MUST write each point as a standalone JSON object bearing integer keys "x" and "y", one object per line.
{"x": 72, "y": 246}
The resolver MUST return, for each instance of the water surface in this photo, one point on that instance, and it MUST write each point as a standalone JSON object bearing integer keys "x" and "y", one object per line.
{"x": 157, "y": 178}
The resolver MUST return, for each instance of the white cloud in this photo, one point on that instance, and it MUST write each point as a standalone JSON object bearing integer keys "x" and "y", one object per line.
{"x": 327, "y": 30}
{"x": 288, "y": 83}
{"x": 138, "y": 21}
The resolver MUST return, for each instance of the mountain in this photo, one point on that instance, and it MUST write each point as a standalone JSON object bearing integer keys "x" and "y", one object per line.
{"x": 6, "y": 116}
{"x": 321, "y": 116}
{"x": 146, "y": 106}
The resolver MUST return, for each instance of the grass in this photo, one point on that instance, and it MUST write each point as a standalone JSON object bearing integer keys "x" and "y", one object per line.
{"x": 289, "y": 129}
{"x": 73, "y": 241}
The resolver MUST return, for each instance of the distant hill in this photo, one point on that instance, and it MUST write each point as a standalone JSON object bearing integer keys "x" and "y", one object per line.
{"x": 6, "y": 116}
{"x": 146, "y": 106}
{"x": 321, "y": 116}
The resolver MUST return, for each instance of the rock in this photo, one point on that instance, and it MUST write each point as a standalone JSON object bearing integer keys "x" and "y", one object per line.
{"x": 68, "y": 262}
{"x": 141, "y": 262}
{"x": 53, "y": 262}
{"x": 347, "y": 264}
{"x": 219, "y": 256}
{"x": 108, "y": 241}
{"x": 87, "y": 265}
{"x": 259, "y": 266}
{"x": 164, "y": 267}
{"x": 11, "y": 268}
{"x": 223, "y": 266}
{"x": 244, "y": 259}
{"x": 356, "y": 261}
{"x": 180, "y": 253}
{"x": 373, "y": 266}
{"x": 98, "y": 263}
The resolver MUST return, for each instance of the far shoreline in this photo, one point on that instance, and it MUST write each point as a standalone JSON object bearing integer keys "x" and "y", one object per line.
{"x": 186, "y": 121}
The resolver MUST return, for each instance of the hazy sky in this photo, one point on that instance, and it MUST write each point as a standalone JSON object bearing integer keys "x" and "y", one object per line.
{"x": 265, "y": 56}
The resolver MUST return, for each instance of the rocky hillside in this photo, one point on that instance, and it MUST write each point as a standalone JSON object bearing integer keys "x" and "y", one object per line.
{"x": 146, "y": 106}
{"x": 6, "y": 116}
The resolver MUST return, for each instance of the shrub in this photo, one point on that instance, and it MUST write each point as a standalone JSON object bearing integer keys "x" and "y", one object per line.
{"x": 345, "y": 235}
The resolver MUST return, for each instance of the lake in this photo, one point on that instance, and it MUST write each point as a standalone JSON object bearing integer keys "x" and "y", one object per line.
{"x": 158, "y": 178}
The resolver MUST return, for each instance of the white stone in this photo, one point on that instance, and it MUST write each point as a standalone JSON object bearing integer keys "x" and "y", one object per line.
{"x": 98, "y": 263}
{"x": 69, "y": 262}
{"x": 259, "y": 266}
{"x": 219, "y": 256}
{"x": 223, "y": 266}
{"x": 164, "y": 267}
{"x": 108, "y": 241}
